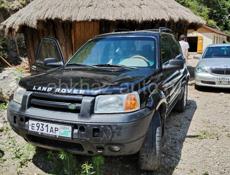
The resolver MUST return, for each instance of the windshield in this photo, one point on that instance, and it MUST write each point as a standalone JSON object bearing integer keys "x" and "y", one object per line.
{"x": 217, "y": 52}
{"x": 117, "y": 51}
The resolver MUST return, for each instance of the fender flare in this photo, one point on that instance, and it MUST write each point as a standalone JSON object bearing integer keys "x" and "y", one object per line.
{"x": 162, "y": 102}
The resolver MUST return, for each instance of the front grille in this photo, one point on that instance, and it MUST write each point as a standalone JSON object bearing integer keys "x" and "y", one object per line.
{"x": 55, "y": 102}
{"x": 208, "y": 82}
{"x": 55, "y": 143}
{"x": 221, "y": 71}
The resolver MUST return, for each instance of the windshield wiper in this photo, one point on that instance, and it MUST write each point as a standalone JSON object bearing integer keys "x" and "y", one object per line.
{"x": 113, "y": 65}
{"x": 80, "y": 65}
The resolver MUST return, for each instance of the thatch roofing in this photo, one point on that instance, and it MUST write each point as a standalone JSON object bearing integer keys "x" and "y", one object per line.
{"x": 87, "y": 10}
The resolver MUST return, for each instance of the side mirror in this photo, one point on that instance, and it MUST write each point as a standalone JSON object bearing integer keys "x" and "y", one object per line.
{"x": 174, "y": 64}
{"x": 52, "y": 62}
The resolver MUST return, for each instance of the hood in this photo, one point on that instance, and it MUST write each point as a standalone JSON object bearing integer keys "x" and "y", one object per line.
{"x": 88, "y": 81}
{"x": 215, "y": 62}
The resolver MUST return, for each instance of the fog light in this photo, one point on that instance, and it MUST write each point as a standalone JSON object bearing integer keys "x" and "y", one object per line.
{"x": 115, "y": 148}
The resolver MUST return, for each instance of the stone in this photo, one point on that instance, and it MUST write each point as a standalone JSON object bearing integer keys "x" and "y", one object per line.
{"x": 9, "y": 81}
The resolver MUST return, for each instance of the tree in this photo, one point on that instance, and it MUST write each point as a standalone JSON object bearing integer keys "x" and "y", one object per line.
{"x": 215, "y": 12}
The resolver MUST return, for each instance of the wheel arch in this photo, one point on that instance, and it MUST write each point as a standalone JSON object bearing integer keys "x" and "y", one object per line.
{"x": 162, "y": 109}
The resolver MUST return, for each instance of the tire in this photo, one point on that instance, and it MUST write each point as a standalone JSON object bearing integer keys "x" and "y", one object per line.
{"x": 150, "y": 153}
{"x": 182, "y": 103}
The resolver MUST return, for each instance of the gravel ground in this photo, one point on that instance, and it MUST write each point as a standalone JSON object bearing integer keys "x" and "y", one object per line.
{"x": 197, "y": 142}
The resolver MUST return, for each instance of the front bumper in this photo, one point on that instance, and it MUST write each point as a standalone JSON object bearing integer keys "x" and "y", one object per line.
{"x": 212, "y": 80}
{"x": 127, "y": 131}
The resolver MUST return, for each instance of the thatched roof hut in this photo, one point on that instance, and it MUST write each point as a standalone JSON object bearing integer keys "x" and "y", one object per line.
{"x": 75, "y": 21}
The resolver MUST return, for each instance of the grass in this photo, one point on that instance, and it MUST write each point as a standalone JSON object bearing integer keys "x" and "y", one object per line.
{"x": 87, "y": 169}
{"x": 19, "y": 153}
{"x": 22, "y": 154}
{"x": 19, "y": 72}
{"x": 98, "y": 162}
{"x": 59, "y": 163}
{"x": 67, "y": 164}
{"x": 3, "y": 106}
{"x": 207, "y": 135}
{"x": 62, "y": 163}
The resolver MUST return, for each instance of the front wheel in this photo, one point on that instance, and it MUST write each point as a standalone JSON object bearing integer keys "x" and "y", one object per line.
{"x": 150, "y": 153}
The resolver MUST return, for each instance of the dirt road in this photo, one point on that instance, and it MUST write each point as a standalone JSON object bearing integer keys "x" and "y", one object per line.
{"x": 197, "y": 142}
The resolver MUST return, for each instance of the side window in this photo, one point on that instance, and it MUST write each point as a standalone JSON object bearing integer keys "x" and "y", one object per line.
{"x": 176, "y": 49}
{"x": 48, "y": 48}
{"x": 166, "y": 45}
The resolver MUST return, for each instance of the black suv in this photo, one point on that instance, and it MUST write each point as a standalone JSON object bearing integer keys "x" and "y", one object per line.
{"x": 111, "y": 98}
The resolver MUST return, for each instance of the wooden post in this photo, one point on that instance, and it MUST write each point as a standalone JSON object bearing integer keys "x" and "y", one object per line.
{"x": 68, "y": 39}
{"x": 29, "y": 45}
{"x": 4, "y": 60}
{"x": 16, "y": 45}
{"x": 61, "y": 37}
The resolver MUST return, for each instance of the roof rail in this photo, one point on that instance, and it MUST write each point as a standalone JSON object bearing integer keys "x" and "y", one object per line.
{"x": 161, "y": 29}
{"x": 121, "y": 30}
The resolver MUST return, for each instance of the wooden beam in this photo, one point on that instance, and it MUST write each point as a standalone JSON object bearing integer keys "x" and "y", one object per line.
{"x": 3, "y": 59}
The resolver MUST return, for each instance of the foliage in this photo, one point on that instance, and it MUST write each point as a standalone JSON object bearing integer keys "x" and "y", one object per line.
{"x": 215, "y": 12}
{"x": 67, "y": 164}
{"x": 13, "y": 5}
{"x": 98, "y": 162}
{"x": 3, "y": 106}
{"x": 3, "y": 47}
{"x": 22, "y": 153}
{"x": 87, "y": 169}
{"x": 207, "y": 135}
{"x": 64, "y": 163}
{"x": 8, "y": 7}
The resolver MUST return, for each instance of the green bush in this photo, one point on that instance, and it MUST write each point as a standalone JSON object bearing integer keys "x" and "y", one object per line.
{"x": 215, "y": 12}
{"x": 3, "y": 47}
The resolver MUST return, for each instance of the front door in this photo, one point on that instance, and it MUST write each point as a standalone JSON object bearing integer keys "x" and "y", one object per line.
{"x": 170, "y": 50}
{"x": 48, "y": 56}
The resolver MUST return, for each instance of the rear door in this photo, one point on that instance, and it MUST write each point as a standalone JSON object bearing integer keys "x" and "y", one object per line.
{"x": 171, "y": 85}
{"x": 48, "y": 56}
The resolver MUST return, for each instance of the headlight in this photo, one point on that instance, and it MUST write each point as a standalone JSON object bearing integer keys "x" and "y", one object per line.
{"x": 200, "y": 69}
{"x": 117, "y": 103}
{"x": 18, "y": 95}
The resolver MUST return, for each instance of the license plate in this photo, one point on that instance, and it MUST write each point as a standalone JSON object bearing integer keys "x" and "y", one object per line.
{"x": 223, "y": 81}
{"x": 50, "y": 129}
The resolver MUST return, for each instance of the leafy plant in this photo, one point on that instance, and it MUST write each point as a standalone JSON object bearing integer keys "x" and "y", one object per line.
{"x": 19, "y": 73}
{"x": 3, "y": 47}
{"x": 3, "y": 106}
{"x": 24, "y": 153}
{"x": 64, "y": 163}
{"x": 98, "y": 162}
{"x": 69, "y": 163}
{"x": 21, "y": 153}
{"x": 207, "y": 135}
{"x": 87, "y": 169}
{"x": 13, "y": 5}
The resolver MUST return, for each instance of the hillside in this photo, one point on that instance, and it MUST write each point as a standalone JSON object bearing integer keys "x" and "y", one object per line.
{"x": 215, "y": 12}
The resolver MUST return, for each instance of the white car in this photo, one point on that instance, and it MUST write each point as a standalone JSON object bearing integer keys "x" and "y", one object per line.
{"x": 213, "y": 69}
